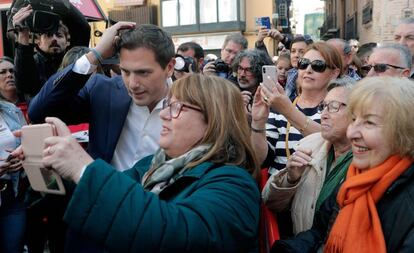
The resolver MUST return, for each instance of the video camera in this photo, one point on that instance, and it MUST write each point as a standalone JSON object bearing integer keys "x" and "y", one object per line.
{"x": 44, "y": 18}
{"x": 76, "y": 22}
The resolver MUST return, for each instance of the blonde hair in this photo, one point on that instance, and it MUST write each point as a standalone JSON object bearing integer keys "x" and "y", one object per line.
{"x": 396, "y": 95}
{"x": 227, "y": 127}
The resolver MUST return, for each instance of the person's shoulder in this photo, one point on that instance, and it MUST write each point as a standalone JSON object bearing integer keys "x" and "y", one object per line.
{"x": 5, "y": 105}
{"x": 226, "y": 170}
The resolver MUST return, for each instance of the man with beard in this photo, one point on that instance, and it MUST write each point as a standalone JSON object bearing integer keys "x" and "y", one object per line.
{"x": 248, "y": 66}
{"x": 32, "y": 70}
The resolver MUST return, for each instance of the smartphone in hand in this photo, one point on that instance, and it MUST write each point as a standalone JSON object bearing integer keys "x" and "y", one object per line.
{"x": 263, "y": 21}
{"x": 40, "y": 178}
{"x": 269, "y": 75}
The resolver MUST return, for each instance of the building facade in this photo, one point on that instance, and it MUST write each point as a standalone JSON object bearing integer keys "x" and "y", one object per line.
{"x": 365, "y": 20}
{"x": 206, "y": 22}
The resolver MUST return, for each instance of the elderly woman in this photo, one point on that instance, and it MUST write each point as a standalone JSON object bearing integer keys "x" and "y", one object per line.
{"x": 321, "y": 159}
{"x": 372, "y": 211}
{"x": 196, "y": 194}
{"x": 288, "y": 122}
{"x": 12, "y": 209}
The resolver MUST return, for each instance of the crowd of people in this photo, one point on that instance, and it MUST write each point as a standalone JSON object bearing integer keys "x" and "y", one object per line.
{"x": 178, "y": 139}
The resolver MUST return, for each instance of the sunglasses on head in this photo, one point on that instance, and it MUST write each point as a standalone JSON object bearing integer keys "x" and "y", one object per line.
{"x": 380, "y": 67}
{"x": 317, "y": 65}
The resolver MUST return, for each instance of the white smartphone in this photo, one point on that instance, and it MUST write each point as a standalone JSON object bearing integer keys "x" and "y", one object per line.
{"x": 269, "y": 75}
{"x": 40, "y": 178}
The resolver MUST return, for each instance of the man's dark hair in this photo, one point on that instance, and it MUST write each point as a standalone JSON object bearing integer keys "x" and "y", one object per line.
{"x": 151, "y": 37}
{"x": 301, "y": 38}
{"x": 198, "y": 50}
{"x": 257, "y": 58}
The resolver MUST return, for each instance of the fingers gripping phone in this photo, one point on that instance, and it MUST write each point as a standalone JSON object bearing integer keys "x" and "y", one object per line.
{"x": 269, "y": 75}
{"x": 40, "y": 178}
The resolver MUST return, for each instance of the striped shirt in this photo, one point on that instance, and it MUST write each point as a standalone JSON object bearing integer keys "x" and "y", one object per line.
{"x": 276, "y": 137}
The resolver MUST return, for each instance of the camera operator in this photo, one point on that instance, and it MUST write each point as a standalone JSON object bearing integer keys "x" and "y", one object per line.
{"x": 32, "y": 70}
{"x": 233, "y": 44}
{"x": 189, "y": 60}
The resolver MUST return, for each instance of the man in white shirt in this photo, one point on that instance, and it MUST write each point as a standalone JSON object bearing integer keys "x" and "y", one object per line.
{"x": 122, "y": 111}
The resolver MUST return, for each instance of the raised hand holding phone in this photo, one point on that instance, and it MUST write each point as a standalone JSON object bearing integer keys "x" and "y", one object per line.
{"x": 269, "y": 76}
{"x": 41, "y": 179}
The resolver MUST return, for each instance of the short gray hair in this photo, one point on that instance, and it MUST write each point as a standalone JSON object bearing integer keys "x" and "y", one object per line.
{"x": 237, "y": 38}
{"x": 403, "y": 51}
{"x": 343, "y": 82}
{"x": 346, "y": 47}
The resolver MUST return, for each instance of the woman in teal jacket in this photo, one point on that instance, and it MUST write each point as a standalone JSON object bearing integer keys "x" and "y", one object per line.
{"x": 196, "y": 194}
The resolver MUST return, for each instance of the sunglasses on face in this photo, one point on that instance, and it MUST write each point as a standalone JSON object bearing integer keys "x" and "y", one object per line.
{"x": 380, "y": 67}
{"x": 317, "y": 65}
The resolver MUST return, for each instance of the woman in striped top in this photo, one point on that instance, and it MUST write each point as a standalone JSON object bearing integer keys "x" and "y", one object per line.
{"x": 277, "y": 123}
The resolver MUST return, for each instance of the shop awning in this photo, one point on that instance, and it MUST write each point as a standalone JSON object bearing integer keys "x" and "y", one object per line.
{"x": 90, "y": 9}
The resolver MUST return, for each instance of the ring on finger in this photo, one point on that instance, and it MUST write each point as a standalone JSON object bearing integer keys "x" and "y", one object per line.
{"x": 266, "y": 99}
{"x": 49, "y": 151}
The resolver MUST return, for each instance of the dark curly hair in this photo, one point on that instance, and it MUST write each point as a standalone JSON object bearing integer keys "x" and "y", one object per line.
{"x": 257, "y": 59}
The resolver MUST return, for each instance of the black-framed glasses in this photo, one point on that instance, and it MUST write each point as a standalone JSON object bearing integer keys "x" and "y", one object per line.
{"x": 333, "y": 106}
{"x": 380, "y": 67}
{"x": 248, "y": 71}
{"x": 4, "y": 71}
{"x": 317, "y": 65}
{"x": 176, "y": 107}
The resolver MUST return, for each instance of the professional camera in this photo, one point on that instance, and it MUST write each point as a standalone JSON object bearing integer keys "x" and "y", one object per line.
{"x": 44, "y": 18}
{"x": 221, "y": 68}
{"x": 183, "y": 63}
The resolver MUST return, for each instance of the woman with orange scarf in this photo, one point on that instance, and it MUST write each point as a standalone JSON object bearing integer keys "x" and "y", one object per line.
{"x": 373, "y": 209}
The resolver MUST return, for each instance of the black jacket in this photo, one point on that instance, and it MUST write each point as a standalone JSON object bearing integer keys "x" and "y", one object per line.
{"x": 33, "y": 69}
{"x": 395, "y": 210}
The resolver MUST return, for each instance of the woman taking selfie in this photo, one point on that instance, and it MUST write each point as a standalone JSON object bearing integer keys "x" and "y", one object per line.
{"x": 373, "y": 209}
{"x": 276, "y": 132}
{"x": 195, "y": 194}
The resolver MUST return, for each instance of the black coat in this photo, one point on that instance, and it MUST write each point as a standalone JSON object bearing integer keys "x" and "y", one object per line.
{"x": 395, "y": 210}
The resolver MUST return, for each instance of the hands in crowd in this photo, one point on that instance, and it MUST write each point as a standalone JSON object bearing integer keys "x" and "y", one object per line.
{"x": 10, "y": 165}
{"x": 260, "y": 110}
{"x": 209, "y": 68}
{"x": 297, "y": 164}
{"x": 272, "y": 33}
{"x": 63, "y": 154}
{"x": 105, "y": 46}
{"x": 23, "y": 31}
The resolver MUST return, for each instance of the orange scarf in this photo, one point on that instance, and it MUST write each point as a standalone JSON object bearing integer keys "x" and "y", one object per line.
{"x": 357, "y": 227}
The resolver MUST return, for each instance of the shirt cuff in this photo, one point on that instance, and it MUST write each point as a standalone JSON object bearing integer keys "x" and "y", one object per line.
{"x": 82, "y": 171}
{"x": 83, "y": 66}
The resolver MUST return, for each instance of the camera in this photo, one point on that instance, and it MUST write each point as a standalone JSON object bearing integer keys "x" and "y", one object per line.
{"x": 44, "y": 18}
{"x": 183, "y": 63}
{"x": 221, "y": 68}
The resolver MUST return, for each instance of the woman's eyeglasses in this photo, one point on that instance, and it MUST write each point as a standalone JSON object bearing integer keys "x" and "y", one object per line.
{"x": 380, "y": 67}
{"x": 333, "y": 106}
{"x": 176, "y": 107}
{"x": 317, "y": 65}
